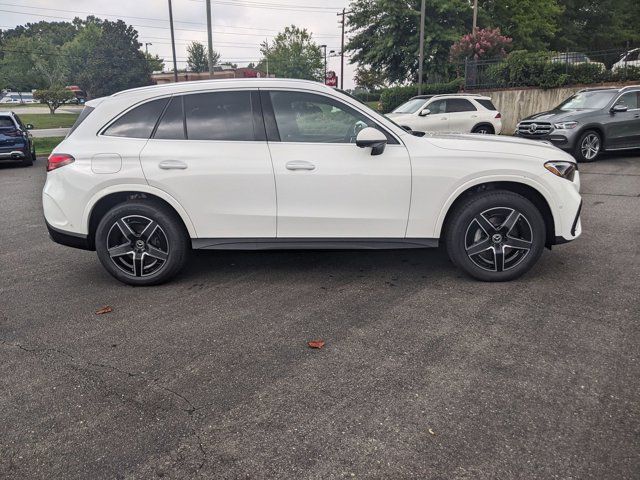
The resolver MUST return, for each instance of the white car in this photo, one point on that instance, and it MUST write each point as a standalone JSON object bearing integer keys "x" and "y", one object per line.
{"x": 452, "y": 113}
{"x": 148, "y": 174}
{"x": 629, "y": 59}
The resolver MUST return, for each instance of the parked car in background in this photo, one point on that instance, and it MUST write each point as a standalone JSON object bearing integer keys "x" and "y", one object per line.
{"x": 17, "y": 98}
{"x": 629, "y": 59}
{"x": 576, "y": 58}
{"x": 16, "y": 144}
{"x": 590, "y": 122}
{"x": 453, "y": 113}
{"x": 148, "y": 174}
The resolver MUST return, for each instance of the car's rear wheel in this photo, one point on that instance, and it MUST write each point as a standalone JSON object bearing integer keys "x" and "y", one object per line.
{"x": 495, "y": 236}
{"x": 141, "y": 243}
{"x": 588, "y": 147}
{"x": 28, "y": 159}
{"x": 484, "y": 130}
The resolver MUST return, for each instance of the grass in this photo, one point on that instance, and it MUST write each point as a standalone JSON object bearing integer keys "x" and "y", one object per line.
{"x": 46, "y": 120}
{"x": 45, "y": 145}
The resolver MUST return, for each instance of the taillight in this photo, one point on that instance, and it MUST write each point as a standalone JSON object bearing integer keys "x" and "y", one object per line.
{"x": 57, "y": 160}
{"x": 498, "y": 115}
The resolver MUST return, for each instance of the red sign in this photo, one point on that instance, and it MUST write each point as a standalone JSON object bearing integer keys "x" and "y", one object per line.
{"x": 332, "y": 79}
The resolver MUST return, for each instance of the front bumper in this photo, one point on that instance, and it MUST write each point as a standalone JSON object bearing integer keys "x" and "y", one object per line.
{"x": 563, "y": 139}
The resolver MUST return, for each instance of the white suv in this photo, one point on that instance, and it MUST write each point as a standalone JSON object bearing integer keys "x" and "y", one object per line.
{"x": 453, "y": 113}
{"x": 148, "y": 174}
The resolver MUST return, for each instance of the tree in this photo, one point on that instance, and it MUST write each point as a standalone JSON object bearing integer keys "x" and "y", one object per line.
{"x": 197, "y": 58}
{"x": 53, "y": 97}
{"x": 31, "y": 62}
{"x": 105, "y": 57}
{"x": 532, "y": 24}
{"x": 369, "y": 79}
{"x": 156, "y": 64}
{"x": 486, "y": 43}
{"x": 292, "y": 54}
{"x": 385, "y": 35}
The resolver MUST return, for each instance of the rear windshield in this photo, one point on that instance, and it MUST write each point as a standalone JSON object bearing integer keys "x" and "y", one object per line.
{"x": 6, "y": 122}
{"x": 488, "y": 104}
{"x": 84, "y": 114}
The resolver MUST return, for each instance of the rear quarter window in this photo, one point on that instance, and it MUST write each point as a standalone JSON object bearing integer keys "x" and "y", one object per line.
{"x": 488, "y": 104}
{"x": 83, "y": 115}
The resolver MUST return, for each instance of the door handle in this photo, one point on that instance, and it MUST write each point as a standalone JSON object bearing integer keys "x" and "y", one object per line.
{"x": 300, "y": 165}
{"x": 172, "y": 165}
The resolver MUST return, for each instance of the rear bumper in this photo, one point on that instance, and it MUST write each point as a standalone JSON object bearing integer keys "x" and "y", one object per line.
{"x": 69, "y": 239}
{"x": 12, "y": 155}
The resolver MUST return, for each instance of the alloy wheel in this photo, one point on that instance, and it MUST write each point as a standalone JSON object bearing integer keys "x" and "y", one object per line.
{"x": 137, "y": 245}
{"x": 498, "y": 239}
{"x": 590, "y": 146}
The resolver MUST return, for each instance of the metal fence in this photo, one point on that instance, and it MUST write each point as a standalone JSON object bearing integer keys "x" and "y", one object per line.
{"x": 551, "y": 69}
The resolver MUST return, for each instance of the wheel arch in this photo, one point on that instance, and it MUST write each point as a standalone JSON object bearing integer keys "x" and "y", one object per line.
{"x": 599, "y": 129}
{"x": 102, "y": 202}
{"x": 534, "y": 195}
{"x": 484, "y": 124}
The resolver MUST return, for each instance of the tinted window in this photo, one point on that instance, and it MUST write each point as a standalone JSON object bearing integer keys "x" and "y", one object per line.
{"x": 219, "y": 116}
{"x": 6, "y": 122}
{"x": 305, "y": 117}
{"x": 459, "y": 105}
{"x": 488, "y": 104}
{"x": 439, "y": 106}
{"x": 171, "y": 126}
{"x": 84, "y": 114}
{"x": 629, "y": 99}
{"x": 592, "y": 99}
{"x": 139, "y": 122}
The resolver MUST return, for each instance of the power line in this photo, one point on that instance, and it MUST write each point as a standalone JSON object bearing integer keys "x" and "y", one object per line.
{"x": 274, "y": 6}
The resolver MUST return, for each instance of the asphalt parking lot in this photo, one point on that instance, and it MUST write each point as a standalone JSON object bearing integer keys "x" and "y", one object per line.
{"x": 425, "y": 373}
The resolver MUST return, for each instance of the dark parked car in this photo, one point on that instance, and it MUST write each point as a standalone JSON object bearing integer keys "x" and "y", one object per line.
{"x": 15, "y": 141}
{"x": 589, "y": 122}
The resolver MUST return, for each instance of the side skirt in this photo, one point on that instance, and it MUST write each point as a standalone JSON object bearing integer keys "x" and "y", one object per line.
{"x": 311, "y": 243}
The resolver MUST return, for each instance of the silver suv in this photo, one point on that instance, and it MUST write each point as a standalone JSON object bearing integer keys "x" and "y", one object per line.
{"x": 589, "y": 122}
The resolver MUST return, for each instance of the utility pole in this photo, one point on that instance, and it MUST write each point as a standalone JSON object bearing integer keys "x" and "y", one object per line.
{"x": 173, "y": 45}
{"x": 343, "y": 23}
{"x": 210, "y": 38}
{"x": 146, "y": 47}
{"x": 423, "y": 11}
{"x": 325, "y": 63}
{"x": 475, "y": 16}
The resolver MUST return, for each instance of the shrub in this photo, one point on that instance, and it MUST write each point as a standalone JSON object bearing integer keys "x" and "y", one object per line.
{"x": 396, "y": 96}
{"x": 485, "y": 43}
{"x": 53, "y": 97}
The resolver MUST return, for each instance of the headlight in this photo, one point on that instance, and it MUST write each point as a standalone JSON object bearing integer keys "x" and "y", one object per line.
{"x": 566, "y": 125}
{"x": 562, "y": 169}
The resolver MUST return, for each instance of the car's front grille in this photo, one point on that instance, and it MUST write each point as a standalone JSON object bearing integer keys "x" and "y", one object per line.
{"x": 534, "y": 128}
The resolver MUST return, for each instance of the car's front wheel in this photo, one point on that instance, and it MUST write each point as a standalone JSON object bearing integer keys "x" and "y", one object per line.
{"x": 588, "y": 147}
{"x": 141, "y": 243}
{"x": 495, "y": 236}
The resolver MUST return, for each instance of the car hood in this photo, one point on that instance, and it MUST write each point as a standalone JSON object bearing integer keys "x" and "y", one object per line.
{"x": 559, "y": 115}
{"x": 498, "y": 144}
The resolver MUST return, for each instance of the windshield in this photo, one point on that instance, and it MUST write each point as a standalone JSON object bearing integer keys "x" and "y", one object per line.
{"x": 588, "y": 100}
{"x": 412, "y": 106}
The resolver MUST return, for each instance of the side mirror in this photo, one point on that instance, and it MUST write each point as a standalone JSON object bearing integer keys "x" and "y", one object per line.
{"x": 29, "y": 126}
{"x": 425, "y": 112}
{"x": 373, "y": 138}
{"x": 619, "y": 108}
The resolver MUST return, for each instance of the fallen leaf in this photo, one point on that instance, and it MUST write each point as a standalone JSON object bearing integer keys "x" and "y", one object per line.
{"x": 432, "y": 432}
{"x": 104, "y": 310}
{"x": 316, "y": 343}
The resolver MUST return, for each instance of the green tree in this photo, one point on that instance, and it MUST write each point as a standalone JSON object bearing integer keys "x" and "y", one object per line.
{"x": 532, "y": 24}
{"x": 105, "y": 57}
{"x": 292, "y": 54}
{"x": 156, "y": 64}
{"x": 53, "y": 97}
{"x": 197, "y": 59}
{"x": 369, "y": 79}
{"x": 385, "y": 35}
{"x": 31, "y": 62}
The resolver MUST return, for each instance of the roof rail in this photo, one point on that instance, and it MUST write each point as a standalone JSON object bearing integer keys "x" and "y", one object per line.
{"x": 459, "y": 95}
{"x": 595, "y": 89}
{"x": 629, "y": 87}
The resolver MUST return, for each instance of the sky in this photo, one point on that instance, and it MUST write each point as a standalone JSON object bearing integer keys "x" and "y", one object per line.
{"x": 239, "y": 26}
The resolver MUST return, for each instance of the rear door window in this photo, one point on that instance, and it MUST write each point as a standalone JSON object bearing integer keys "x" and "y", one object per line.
{"x": 171, "y": 126}
{"x": 219, "y": 116}
{"x": 139, "y": 122}
{"x": 455, "y": 105}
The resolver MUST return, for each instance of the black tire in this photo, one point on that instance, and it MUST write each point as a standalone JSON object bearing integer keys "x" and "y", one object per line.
{"x": 142, "y": 243}
{"x": 28, "y": 159}
{"x": 586, "y": 137}
{"x": 484, "y": 129}
{"x": 517, "y": 240}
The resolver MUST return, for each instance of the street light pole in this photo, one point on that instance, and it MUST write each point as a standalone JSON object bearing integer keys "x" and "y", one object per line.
{"x": 173, "y": 45}
{"x": 146, "y": 47}
{"x": 210, "y": 38}
{"x": 343, "y": 22}
{"x": 421, "y": 60}
{"x": 325, "y": 63}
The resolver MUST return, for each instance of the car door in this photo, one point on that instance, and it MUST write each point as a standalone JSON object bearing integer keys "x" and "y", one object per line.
{"x": 328, "y": 187}
{"x": 463, "y": 115}
{"x": 623, "y": 128}
{"x": 209, "y": 152}
{"x": 437, "y": 120}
